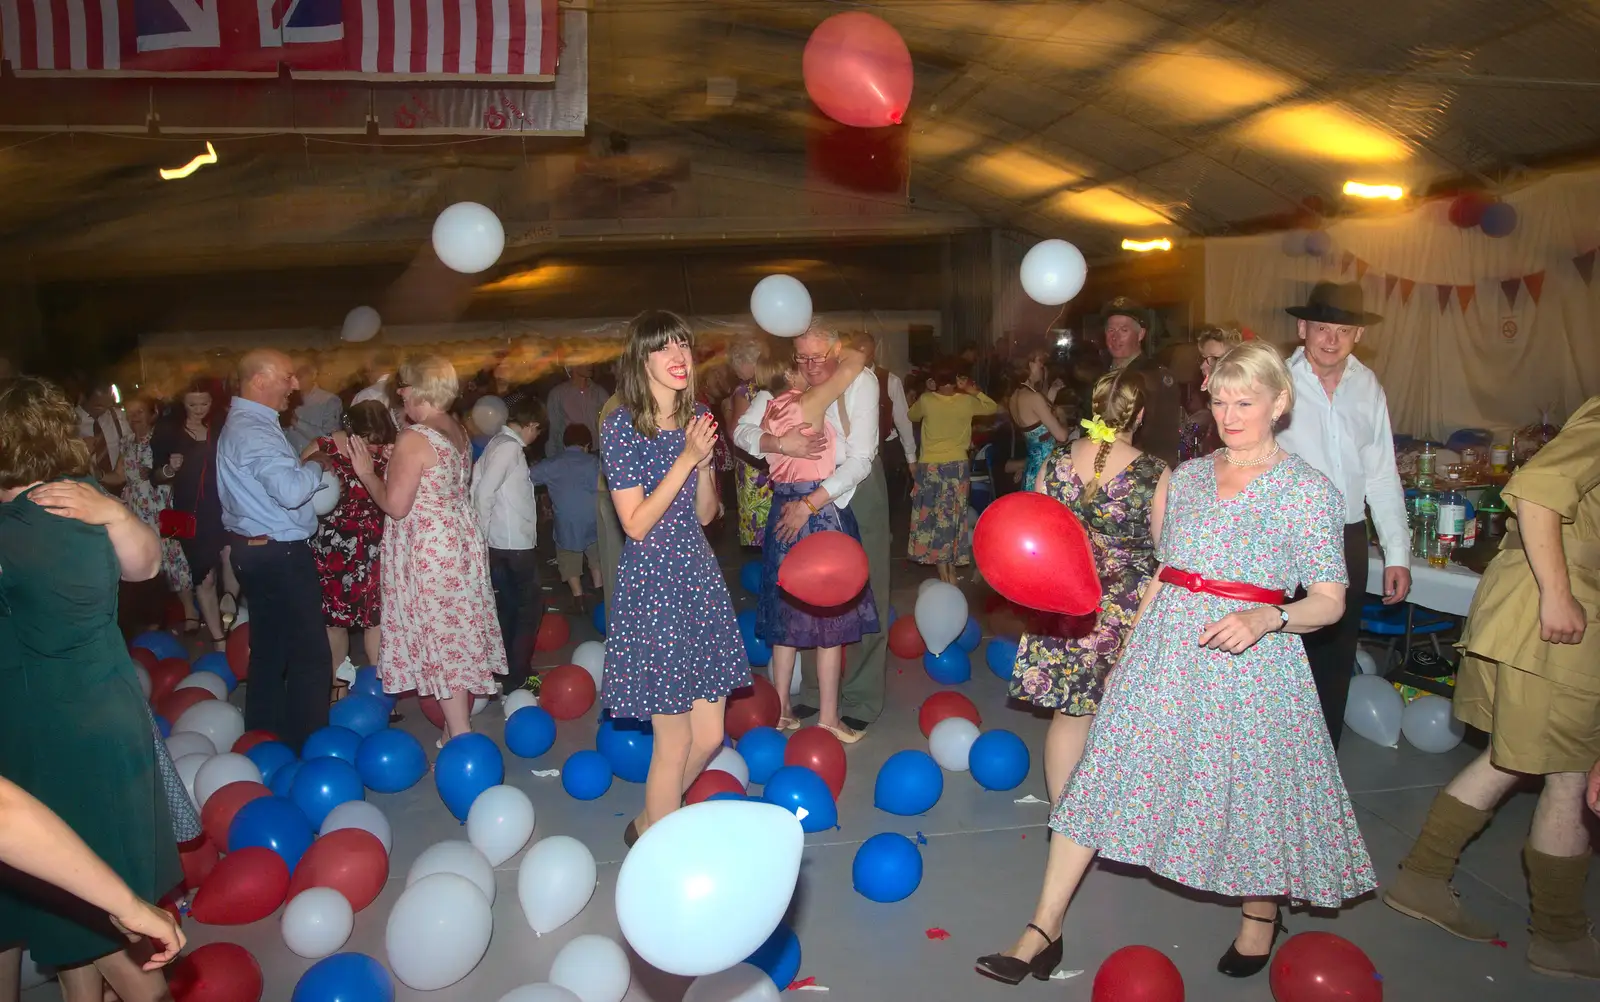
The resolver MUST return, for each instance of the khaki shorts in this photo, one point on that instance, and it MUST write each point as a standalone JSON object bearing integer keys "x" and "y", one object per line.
{"x": 569, "y": 563}
{"x": 1536, "y": 726}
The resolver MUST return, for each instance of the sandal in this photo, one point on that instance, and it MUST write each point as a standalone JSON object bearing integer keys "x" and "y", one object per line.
{"x": 788, "y": 724}
{"x": 219, "y": 643}
{"x": 845, "y": 734}
{"x": 191, "y": 625}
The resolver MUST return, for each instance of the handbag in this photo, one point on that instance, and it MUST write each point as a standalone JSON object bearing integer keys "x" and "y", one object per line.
{"x": 174, "y": 524}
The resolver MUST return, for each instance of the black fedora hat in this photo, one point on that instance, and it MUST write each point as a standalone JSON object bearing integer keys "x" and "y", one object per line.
{"x": 1335, "y": 303}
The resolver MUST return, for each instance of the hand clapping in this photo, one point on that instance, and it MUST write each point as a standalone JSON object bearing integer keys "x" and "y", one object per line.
{"x": 699, "y": 439}
{"x": 360, "y": 456}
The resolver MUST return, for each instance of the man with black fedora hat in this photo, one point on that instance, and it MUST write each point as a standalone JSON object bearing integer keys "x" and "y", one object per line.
{"x": 1125, "y": 340}
{"x": 1340, "y": 425}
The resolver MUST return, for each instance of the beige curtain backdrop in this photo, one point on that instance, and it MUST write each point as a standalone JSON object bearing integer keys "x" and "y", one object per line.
{"x": 1500, "y": 362}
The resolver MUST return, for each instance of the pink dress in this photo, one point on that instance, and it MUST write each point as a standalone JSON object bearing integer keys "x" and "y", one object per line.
{"x": 440, "y": 633}
{"x": 783, "y": 415}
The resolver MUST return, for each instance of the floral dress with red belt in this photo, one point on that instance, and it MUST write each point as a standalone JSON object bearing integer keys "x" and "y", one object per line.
{"x": 347, "y": 545}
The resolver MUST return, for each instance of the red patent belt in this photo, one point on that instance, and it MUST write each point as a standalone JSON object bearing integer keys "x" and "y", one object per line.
{"x": 1222, "y": 589}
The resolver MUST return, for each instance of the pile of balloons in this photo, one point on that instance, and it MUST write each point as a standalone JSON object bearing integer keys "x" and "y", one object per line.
{"x": 1376, "y": 711}
{"x": 756, "y": 650}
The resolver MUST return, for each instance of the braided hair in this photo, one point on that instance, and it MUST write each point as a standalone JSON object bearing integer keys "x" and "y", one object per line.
{"x": 1117, "y": 402}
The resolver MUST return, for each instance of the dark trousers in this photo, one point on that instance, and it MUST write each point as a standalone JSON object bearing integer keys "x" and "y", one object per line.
{"x": 1332, "y": 649}
{"x": 290, "y": 661}
{"x": 519, "y": 605}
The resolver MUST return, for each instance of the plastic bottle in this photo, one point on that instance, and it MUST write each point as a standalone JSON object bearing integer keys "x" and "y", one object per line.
{"x": 1452, "y": 525}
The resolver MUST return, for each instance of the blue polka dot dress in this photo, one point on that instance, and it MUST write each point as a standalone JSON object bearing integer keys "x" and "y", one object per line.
{"x": 672, "y": 637}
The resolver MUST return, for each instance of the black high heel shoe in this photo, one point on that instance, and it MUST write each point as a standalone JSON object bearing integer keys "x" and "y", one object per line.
{"x": 1238, "y": 965}
{"x": 1011, "y": 970}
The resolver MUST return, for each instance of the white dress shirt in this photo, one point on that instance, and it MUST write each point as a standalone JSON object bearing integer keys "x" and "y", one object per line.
{"x": 502, "y": 494}
{"x": 853, "y": 451}
{"x": 903, "y": 432}
{"x": 112, "y": 423}
{"x": 1350, "y": 441}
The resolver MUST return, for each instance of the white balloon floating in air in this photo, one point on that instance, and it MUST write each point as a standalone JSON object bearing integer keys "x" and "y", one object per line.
{"x": 468, "y": 237}
{"x": 326, "y": 497}
{"x": 361, "y": 324}
{"x": 1053, "y": 272}
{"x": 489, "y": 415}
{"x": 781, "y": 305}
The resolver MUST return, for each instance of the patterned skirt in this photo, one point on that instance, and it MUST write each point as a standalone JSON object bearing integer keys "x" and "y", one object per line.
{"x": 783, "y": 619}
{"x": 940, "y": 533}
{"x": 755, "y": 501}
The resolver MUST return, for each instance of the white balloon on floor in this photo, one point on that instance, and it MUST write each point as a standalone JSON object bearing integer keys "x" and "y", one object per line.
{"x": 542, "y": 992}
{"x": 1429, "y": 723}
{"x": 143, "y": 676}
{"x": 222, "y": 722}
{"x": 183, "y": 743}
{"x": 1366, "y": 662}
{"x": 317, "y": 921}
{"x": 1373, "y": 710}
{"x": 555, "y": 882}
{"x": 361, "y": 324}
{"x": 781, "y": 305}
{"x": 950, "y": 742}
{"x": 454, "y": 856}
{"x": 941, "y": 615}
{"x": 438, "y": 931}
{"x": 516, "y": 700}
{"x": 925, "y": 585}
{"x": 209, "y": 681}
{"x": 592, "y": 967}
{"x": 706, "y": 885}
{"x": 326, "y": 497}
{"x": 732, "y": 763}
{"x": 219, "y": 771}
{"x": 739, "y": 983}
{"x": 500, "y": 822}
{"x": 468, "y": 237}
{"x": 188, "y": 768}
{"x": 489, "y": 414}
{"x": 480, "y": 703}
{"x": 362, "y": 814}
{"x": 591, "y": 657}
{"x": 1053, "y": 272}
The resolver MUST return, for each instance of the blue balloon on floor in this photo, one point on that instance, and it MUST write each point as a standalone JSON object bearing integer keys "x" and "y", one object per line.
{"x": 779, "y": 956}
{"x": 750, "y": 575}
{"x": 366, "y": 715}
{"x": 756, "y": 650}
{"x": 163, "y": 725}
{"x": 274, "y": 823}
{"x": 390, "y": 761}
{"x": 217, "y": 664}
{"x": 794, "y": 787}
{"x": 323, "y": 784}
{"x": 626, "y": 744}
{"x": 530, "y": 732}
{"x": 762, "y": 750}
{"x": 909, "y": 783}
{"x": 339, "y": 742}
{"x": 467, "y": 765}
{"x": 971, "y": 636}
{"x": 598, "y": 617}
{"x": 999, "y": 760}
{"x": 950, "y": 666}
{"x": 344, "y": 977}
{"x": 586, "y": 775}
{"x": 283, "y": 778}
{"x": 368, "y": 683}
{"x": 269, "y": 757}
{"x": 162, "y": 644}
{"x": 887, "y": 868}
{"x": 1000, "y": 654}
{"x": 893, "y": 615}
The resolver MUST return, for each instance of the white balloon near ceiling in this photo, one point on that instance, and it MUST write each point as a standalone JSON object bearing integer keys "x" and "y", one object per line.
{"x": 489, "y": 415}
{"x": 468, "y": 237}
{"x": 781, "y": 305}
{"x": 361, "y": 324}
{"x": 1053, "y": 272}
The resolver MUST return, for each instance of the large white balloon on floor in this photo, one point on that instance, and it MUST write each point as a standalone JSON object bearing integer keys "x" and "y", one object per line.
{"x": 489, "y": 415}
{"x": 209, "y": 681}
{"x": 220, "y": 770}
{"x": 500, "y": 822}
{"x": 188, "y": 768}
{"x": 317, "y": 921}
{"x": 542, "y": 992}
{"x": 1053, "y": 272}
{"x": 438, "y": 931}
{"x": 326, "y": 497}
{"x": 555, "y": 881}
{"x": 781, "y": 305}
{"x": 592, "y": 967}
{"x": 222, "y": 722}
{"x": 361, "y": 324}
{"x": 739, "y": 983}
{"x": 591, "y": 657}
{"x": 941, "y": 615}
{"x": 950, "y": 742}
{"x": 362, "y": 814}
{"x": 468, "y": 237}
{"x": 516, "y": 700}
{"x": 183, "y": 743}
{"x": 1429, "y": 724}
{"x": 454, "y": 856}
{"x": 1373, "y": 710}
{"x": 706, "y": 885}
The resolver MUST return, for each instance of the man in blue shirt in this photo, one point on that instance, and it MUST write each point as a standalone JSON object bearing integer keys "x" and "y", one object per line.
{"x": 266, "y": 492}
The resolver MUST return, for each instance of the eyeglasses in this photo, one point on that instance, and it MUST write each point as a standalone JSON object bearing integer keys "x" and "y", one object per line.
{"x": 810, "y": 359}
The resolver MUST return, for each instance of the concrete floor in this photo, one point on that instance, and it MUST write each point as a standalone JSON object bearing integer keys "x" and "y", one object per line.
{"x": 983, "y": 861}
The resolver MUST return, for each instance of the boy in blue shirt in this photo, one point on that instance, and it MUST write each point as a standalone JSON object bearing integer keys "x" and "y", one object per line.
{"x": 572, "y": 477}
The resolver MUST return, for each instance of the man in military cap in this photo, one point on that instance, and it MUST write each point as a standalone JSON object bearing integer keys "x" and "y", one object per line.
{"x": 1125, "y": 337}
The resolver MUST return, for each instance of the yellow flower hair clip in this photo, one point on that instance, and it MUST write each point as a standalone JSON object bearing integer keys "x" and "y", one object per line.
{"x": 1098, "y": 430}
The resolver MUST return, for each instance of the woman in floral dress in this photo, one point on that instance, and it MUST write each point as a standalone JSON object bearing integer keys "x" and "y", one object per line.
{"x": 148, "y": 500}
{"x": 1118, "y": 493}
{"x": 941, "y": 531}
{"x": 441, "y": 635}
{"x": 1209, "y": 762}
{"x": 750, "y": 472}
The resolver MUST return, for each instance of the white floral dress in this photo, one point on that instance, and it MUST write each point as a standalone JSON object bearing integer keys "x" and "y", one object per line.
{"x": 148, "y": 500}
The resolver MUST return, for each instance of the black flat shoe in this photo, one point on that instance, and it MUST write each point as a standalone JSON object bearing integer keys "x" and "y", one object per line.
{"x": 630, "y": 834}
{"x": 1011, "y": 970}
{"x": 1238, "y": 965}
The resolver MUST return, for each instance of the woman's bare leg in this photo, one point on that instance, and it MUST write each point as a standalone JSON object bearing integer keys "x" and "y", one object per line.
{"x": 372, "y": 643}
{"x": 1063, "y": 748}
{"x": 339, "y": 645}
{"x": 705, "y": 738}
{"x": 669, "y": 757}
{"x": 205, "y": 596}
{"x": 830, "y": 661}
{"x": 457, "y": 713}
{"x": 81, "y": 984}
{"x": 782, "y": 675}
{"x": 131, "y": 982}
{"x": 1063, "y": 872}
{"x": 1255, "y": 938}
{"x": 10, "y": 974}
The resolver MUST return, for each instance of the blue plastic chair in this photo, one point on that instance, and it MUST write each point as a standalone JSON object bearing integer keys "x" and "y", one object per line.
{"x": 1395, "y": 625}
{"x": 981, "y": 479}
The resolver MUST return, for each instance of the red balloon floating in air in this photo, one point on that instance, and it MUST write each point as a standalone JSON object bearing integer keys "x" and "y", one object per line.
{"x": 825, "y": 569}
{"x": 1031, "y": 549}
{"x": 858, "y": 70}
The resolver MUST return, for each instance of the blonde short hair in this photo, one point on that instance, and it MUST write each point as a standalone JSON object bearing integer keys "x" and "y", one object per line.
{"x": 431, "y": 380}
{"x": 1250, "y": 364}
{"x": 1222, "y": 335}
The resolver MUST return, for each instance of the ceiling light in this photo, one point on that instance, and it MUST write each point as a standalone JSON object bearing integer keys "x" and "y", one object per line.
{"x": 173, "y": 173}
{"x": 1145, "y": 246}
{"x": 1393, "y": 192}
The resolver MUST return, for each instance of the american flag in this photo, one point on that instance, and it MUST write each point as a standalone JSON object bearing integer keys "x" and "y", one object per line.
{"x": 415, "y": 39}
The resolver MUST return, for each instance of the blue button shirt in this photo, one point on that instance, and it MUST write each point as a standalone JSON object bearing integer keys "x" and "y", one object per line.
{"x": 573, "y": 478}
{"x": 264, "y": 488}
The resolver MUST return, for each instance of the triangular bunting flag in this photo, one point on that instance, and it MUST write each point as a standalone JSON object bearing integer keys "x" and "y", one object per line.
{"x": 1345, "y": 260}
{"x": 1585, "y": 264}
{"x": 1444, "y": 295}
{"x": 1361, "y": 269}
{"x": 1511, "y": 287}
{"x": 1407, "y": 286}
{"x": 1464, "y": 294}
{"x": 1535, "y": 284}
{"x": 1389, "y": 282}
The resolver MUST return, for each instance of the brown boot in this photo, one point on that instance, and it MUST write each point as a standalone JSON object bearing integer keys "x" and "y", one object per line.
{"x": 1422, "y": 890}
{"x": 1434, "y": 900}
{"x": 1563, "y": 943}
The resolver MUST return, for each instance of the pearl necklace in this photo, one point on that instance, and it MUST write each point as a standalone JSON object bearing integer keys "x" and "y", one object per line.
{"x": 1228, "y": 455}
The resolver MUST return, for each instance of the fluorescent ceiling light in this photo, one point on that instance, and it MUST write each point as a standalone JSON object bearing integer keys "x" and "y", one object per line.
{"x": 1145, "y": 246}
{"x": 1356, "y": 189}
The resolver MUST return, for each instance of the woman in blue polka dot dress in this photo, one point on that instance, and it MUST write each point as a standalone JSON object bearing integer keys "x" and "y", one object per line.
{"x": 673, "y": 650}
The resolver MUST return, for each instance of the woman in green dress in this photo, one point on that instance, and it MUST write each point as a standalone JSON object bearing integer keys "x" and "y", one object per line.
{"x": 74, "y": 730}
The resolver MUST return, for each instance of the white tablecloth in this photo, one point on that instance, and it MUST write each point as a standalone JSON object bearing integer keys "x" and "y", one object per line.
{"x": 1442, "y": 589}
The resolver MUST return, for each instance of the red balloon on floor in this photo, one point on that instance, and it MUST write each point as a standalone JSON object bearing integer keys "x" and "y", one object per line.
{"x": 216, "y": 972}
{"x": 249, "y": 739}
{"x": 245, "y": 887}
{"x": 198, "y": 857}
{"x": 566, "y": 692}
{"x": 756, "y": 706}
{"x": 818, "y": 750}
{"x": 905, "y": 641}
{"x": 238, "y": 651}
{"x": 218, "y": 812}
{"x": 174, "y": 703}
{"x": 144, "y": 657}
{"x": 554, "y": 632}
{"x": 1031, "y": 549}
{"x": 943, "y": 706}
{"x": 349, "y": 860}
{"x": 1322, "y": 967}
{"x": 825, "y": 569}
{"x": 1138, "y": 974}
{"x": 165, "y": 676}
{"x": 712, "y": 781}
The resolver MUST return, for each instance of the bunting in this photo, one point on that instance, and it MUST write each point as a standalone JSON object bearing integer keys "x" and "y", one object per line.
{"x": 1444, "y": 295}
{"x": 1389, "y": 282}
{"x": 1407, "y": 286}
{"x": 1361, "y": 269}
{"x": 1511, "y": 287}
{"x": 1464, "y": 294}
{"x": 1535, "y": 284}
{"x": 1345, "y": 261}
{"x": 1585, "y": 264}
